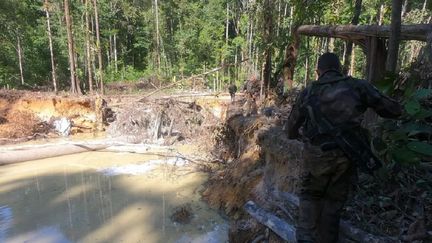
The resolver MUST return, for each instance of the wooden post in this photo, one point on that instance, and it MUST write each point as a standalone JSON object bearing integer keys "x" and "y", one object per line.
{"x": 376, "y": 58}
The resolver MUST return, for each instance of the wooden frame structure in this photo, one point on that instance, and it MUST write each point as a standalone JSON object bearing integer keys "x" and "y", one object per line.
{"x": 372, "y": 39}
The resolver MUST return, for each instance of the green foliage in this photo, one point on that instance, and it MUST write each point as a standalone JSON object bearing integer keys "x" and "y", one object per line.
{"x": 408, "y": 141}
{"x": 192, "y": 37}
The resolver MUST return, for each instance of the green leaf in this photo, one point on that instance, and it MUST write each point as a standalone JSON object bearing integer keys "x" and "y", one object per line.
{"x": 412, "y": 107}
{"x": 423, "y": 93}
{"x": 414, "y": 128}
{"x": 398, "y": 135}
{"x": 423, "y": 114}
{"x": 420, "y": 147}
{"x": 403, "y": 155}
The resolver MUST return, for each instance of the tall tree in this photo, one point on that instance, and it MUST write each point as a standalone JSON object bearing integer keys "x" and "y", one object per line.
{"x": 74, "y": 87}
{"x": 98, "y": 46}
{"x": 349, "y": 45}
{"x": 393, "y": 43}
{"x": 50, "y": 41}
{"x": 20, "y": 58}
{"x": 88, "y": 46}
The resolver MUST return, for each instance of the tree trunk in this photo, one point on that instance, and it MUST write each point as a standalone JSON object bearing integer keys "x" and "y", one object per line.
{"x": 53, "y": 68}
{"x": 74, "y": 89}
{"x": 393, "y": 43}
{"x": 98, "y": 46}
{"x": 268, "y": 21}
{"x": 20, "y": 59}
{"x": 381, "y": 15}
{"x": 88, "y": 48}
{"x": 115, "y": 53}
{"x": 158, "y": 58}
{"x": 352, "y": 63}
{"x": 349, "y": 47}
{"x": 306, "y": 79}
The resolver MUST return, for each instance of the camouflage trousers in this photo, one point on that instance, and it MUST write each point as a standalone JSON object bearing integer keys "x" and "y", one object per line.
{"x": 325, "y": 183}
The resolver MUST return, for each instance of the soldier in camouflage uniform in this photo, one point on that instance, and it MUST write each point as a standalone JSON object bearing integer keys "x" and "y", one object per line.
{"x": 327, "y": 173}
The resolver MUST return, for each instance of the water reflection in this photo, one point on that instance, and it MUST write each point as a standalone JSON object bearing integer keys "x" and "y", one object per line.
{"x": 68, "y": 199}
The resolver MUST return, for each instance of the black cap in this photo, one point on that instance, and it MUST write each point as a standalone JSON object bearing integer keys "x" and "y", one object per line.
{"x": 329, "y": 61}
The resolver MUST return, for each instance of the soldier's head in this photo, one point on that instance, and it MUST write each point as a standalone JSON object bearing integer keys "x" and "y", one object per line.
{"x": 328, "y": 61}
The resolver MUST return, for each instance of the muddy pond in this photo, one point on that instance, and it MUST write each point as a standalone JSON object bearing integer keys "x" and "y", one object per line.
{"x": 105, "y": 197}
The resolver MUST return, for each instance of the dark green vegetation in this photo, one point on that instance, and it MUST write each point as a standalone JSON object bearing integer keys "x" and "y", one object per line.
{"x": 172, "y": 39}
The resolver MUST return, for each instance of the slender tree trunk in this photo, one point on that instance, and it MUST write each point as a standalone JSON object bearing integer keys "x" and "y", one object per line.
{"x": 20, "y": 59}
{"x": 393, "y": 43}
{"x": 88, "y": 48}
{"x": 404, "y": 8}
{"x": 268, "y": 20}
{"x": 349, "y": 47}
{"x": 307, "y": 63}
{"x": 98, "y": 46}
{"x": 381, "y": 15}
{"x": 53, "y": 67}
{"x": 158, "y": 55}
{"x": 74, "y": 89}
{"x": 352, "y": 64}
{"x": 115, "y": 53}
{"x": 227, "y": 24}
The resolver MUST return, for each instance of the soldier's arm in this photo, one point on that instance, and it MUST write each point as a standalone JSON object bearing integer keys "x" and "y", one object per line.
{"x": 382, "y": 104}
{"x": 296, "y": 118}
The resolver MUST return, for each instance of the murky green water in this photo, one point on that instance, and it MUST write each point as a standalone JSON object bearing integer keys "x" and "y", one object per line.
{"x": 72, "y": 199}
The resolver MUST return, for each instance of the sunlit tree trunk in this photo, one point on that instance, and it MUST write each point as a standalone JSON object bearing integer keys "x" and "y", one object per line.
{"x": 70, "y": 48}
{"x": 53, "y": 67}
{"x": 115, "y": 54}
{"x": 349, "y": 46}
{"x": 88, "y": 48}
{"x": 158, "y": 55}
{"x": 393, "y": 43}
{"x": 20, "y": 59}
{"x": 98, "y": 46}
{"x": 381, "y": 15}
{"x": 352, "y": 63}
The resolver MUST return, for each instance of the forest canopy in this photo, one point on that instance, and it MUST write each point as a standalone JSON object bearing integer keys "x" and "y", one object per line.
{"x": 43, "y": 41}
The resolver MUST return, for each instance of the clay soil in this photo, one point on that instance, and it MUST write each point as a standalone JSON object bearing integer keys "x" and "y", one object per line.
{"x": 28, "y": 115}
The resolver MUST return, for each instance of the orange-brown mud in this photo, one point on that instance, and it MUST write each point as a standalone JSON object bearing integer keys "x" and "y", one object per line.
{"x": 26, "y": 115}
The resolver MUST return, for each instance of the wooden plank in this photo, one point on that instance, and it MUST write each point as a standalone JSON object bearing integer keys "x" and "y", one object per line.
{"x": 277, "y": 225}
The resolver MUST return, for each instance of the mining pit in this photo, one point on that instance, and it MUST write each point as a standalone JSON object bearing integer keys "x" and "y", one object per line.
{"x": 186, "y": 167}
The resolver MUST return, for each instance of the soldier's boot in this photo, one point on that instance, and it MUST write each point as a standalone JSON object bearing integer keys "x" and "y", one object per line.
{"x": 329, "y": 221}
{"x": 309, "y": 214}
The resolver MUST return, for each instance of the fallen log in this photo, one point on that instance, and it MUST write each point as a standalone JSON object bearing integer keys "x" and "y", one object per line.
{"x": 276, "y": 224}
{"x": 17, "y": 156}
{"x": 358, "y": 32}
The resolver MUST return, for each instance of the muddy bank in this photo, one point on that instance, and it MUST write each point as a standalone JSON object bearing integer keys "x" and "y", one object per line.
{"x": 30, "y": 115}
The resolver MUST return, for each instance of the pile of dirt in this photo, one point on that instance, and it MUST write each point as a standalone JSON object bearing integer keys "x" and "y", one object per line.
{"x": 263, "y": 165}
{"x": 27, "y": 115}
{"x": 166, "y": 121}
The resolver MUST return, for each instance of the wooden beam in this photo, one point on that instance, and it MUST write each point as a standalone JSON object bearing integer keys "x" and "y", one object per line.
{"x": 359, "y": 32}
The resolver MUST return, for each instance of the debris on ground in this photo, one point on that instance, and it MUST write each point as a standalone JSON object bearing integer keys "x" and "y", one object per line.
{"x": 162, "y": 121}
{"x": 263, "y": 166}
{"x": 182, "y": 214}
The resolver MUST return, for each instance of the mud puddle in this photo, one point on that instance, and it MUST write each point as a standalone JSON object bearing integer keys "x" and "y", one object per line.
{"x": 101, "y": 197}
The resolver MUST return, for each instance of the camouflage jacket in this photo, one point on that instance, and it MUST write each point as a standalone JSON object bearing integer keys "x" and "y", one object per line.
{"x": 342, "y": 100}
